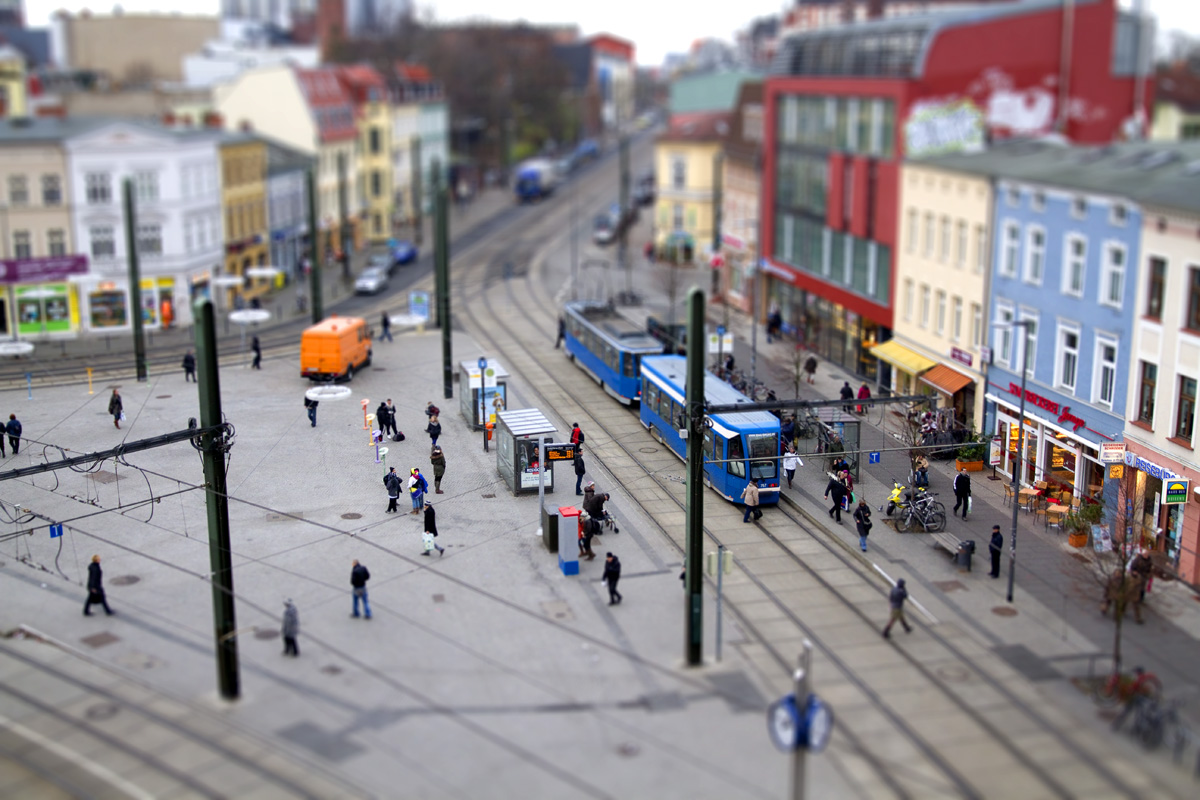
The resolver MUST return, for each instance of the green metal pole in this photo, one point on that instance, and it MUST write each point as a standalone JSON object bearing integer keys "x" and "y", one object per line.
{"x": 625, "y": 224}
{"x": 694, "y": 515}
{"x": 441, "y": 256}
{"x": 213, "y": 449}
{"x": 135, "y": 281}
{"x": 314, "y": 251}
{"x": 343, "y": 218}
{"x": 417, "y": 193}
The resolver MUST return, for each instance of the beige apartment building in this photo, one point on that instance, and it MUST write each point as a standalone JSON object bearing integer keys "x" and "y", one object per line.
{"x": 942, "y": 270}
{"x": 130, "y": 48}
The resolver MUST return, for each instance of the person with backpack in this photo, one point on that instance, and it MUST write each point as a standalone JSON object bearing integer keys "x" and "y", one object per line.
{"x": 431, "y": 410}
{"x": 438, "y": 459}
{"x": 417, "y": 487}
{"x": 577, "y": 437}
{"x": 392, "y": 482}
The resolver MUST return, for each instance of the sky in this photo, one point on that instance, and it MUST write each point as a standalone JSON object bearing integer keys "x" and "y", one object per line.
{"x": 656, "y": 27}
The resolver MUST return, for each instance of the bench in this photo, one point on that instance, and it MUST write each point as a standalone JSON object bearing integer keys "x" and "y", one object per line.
{"x": 948, "y": 541}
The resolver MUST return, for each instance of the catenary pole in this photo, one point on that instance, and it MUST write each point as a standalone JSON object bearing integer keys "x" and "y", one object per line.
{"x": 213, "y": 450}
{"x": 317, "y": 304}
{"x": 1019, "y": 462}
{"x": 135, "y": 280}
{"x": 694, "y": 516}
{"x": 441, "y": 261}
{"x": 417, "y": 190}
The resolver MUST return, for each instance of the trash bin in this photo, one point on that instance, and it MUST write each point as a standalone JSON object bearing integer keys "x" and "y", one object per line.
{"x": 966, "y": 549}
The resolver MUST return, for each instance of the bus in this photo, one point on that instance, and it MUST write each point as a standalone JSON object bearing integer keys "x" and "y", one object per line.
{"x": 608, "y": 347}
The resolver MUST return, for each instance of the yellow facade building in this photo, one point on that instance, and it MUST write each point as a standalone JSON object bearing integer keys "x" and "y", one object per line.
{"x": 942, "y": 267}
{"x": 13, "y": 97}
{"x": 684, "y": 163}
{"x": 244, "y": 211}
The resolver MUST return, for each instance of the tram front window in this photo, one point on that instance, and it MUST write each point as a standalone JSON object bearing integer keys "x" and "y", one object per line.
{"x": 763, "y": 446}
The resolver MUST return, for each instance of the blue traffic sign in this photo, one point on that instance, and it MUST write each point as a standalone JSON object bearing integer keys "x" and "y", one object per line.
{"x": 56, "y": 530}
{"x": 794, "y": 725}
{"x": 720, "y": 330}
{"x": 873, "y": 458}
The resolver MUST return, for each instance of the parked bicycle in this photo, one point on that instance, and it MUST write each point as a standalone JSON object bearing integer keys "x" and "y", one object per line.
{"x": 1122, "y": 687}
{"x": 924, "y": 512}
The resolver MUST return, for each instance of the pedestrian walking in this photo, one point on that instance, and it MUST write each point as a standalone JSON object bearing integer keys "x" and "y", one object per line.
{"x": 589, "y": 492}
{"x": 577, "y": 437}
{"x": 862, "y": 520}
{"x": 358, "y": 583}
{"x": 95, "y": 587}
{"x": 579, "y": 471}
{"x": 116, "y": 408}
{"x": 1140, "y": 569}
{"x": 431, "y": 410}
{"x": 13, "y": 428}
{"x": 996, "y": 547}
{"x": 391, "y": 482}
{"x": 417, "y": 487}
{"x": 750, "y": 499}
{"x": 311, "y": 405}
{"x": 847, "y": 394}
{"x": 189, "y": 367}
{"x": 810, "y": 368}
{"x": 612, "y": 574}
{"x": 837, "y": 490}
{"x": 438, "y": 459}
{"x": 864, "y": 393}
{"x": 381, "y": 418}
{"x": 429, "y": 537}
{"x": 256, "y": 348}
{"x": 434, "y": 429}
{"x": 787, "y": 433}
{"x": 896, "y": 600}
{"x": 391, "y": 409}
{"x": 790, "y": 462}
{"x": 562, "y": 331}
{"x": 962, "y": 492}
{"x": 385, "y": 327}
{"x": 290, "y": 628}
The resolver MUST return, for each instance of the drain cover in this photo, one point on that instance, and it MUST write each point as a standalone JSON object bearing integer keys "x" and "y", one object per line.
{"x": 949, "y": 586}
{"x": 332, "y": 670}
{"x": 105, "y": 477}
{"x": 1004, "y": 611}
{"x": 351, "y": 515}
{"x": 488, "y": 496}
{"x": 124, "y": 580}
{"x": 647, "y": 450}
{"x": 266, "y": 634}
{"x": 439, "y": 598}
{"x": 100, "y": 639}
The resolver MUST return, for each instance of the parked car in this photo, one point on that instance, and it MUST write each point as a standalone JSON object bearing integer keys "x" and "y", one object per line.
{"x": 404, "y": 252}
{"x": 383, "y": 261}
{"x": 643, "y": 191}
{"x": 604, "y": 229}
{"x": 373, "y": 280}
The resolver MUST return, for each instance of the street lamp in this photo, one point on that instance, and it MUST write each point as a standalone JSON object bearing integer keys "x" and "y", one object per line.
{"x": 1024, "y": 325}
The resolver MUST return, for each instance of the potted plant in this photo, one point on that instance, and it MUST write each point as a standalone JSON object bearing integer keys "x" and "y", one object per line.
{"x": 1078, "y": 523}
{"x": 972, "y": 455}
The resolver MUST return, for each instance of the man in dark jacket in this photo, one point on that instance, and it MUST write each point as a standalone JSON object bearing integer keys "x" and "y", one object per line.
{"x": 594, "y": 505}
{"x": 311, "y": 405}
{"x": 189, "y": 367}
{"x": 438, "y": 459}
{"x": 962, "y": 492}
{"x": 576, "y": 437}
{"x": 612, "y": 574}
{"x": 358, "y": 581}
{"x": 847, "y": 394}
{"x": 383, "y": 418}
{"x": 290, "y": 629}
{"x": 579, "y": 471}
{"x": 392, "y": 417}
{"x": 13, "y": 428}
{"x": 896, "y": 600}
{"x": 385, "y": 327}
{"x": 837, "y": 490}
{"x": 996, "y": 548}
{"x": 393, "y": 484}
{"x": 430, "y": 519}
{"x": 95, "y": 587}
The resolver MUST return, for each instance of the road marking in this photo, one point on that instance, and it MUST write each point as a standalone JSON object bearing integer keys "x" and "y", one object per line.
{"x": 932, "y": 619}
{"x": 99, "y": 770}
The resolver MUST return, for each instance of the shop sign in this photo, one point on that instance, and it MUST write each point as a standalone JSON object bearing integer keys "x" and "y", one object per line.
{"x": 1116, "y": 471}
{"x": 1148, "y": 467}
{"x": 1065, "y": 417}
{"x": 962, "y": 356}
{"x": 995, "y": 452}
{"x": 1112, "y": 452}
{"x": 1176, "y": 492}
{"x": 1101, "y": 538}
{"x": 37, "y": 270}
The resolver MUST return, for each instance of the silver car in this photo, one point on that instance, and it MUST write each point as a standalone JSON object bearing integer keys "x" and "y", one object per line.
{"x": 373, "y": 280}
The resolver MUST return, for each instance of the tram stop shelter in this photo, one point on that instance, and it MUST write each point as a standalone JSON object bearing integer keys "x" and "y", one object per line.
{"x": 481, "y": 393}
{"x": 518, "y": 460}
{"x": 839, "y": 433}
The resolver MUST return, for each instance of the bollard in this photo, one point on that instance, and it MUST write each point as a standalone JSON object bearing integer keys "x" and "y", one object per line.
{"x": 366, "y": 425}
{"x": 29, "y": 383}
{"x": 369, "y": 418}
{"x": 89, "y": 371}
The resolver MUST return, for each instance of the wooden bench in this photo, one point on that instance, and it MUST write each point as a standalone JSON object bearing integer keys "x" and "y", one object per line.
{"x": 948, "y": 541}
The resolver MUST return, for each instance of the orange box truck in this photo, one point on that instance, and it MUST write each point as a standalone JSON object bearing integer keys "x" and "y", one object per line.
{"x": 334, "y": 348}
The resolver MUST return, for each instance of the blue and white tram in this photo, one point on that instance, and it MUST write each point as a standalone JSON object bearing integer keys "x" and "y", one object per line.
{"x": 608, "y": 347}
{"x": 738, "y": 447}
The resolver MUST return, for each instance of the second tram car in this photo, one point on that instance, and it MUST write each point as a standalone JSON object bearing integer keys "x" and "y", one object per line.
{"x": 608, "y": 347}
{"x": 738, "y": 447}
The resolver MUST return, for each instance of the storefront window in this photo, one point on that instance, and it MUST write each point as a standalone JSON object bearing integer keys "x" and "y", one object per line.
{"x": 43, "y": 309}
{"x": 108, "y": 308}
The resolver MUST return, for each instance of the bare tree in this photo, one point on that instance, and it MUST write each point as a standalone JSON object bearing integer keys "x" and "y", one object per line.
{"x": 1121, "y": 588}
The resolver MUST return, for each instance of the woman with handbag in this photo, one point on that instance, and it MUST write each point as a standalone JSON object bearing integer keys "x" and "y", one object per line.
{"x": 116, "y": 408}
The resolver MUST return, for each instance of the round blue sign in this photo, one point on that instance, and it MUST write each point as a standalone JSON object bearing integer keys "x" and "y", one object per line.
{"x": 482, "y": 363}
{"x": 783, "y": 723}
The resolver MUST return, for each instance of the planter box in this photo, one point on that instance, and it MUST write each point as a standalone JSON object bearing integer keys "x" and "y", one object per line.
{"x": 1077, "y": 539}
{"x": 969, "y": 466}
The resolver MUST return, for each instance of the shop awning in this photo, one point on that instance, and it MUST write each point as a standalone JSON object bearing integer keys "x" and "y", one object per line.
{"x": 945, "y": 379}
{"x": 901, "y": 357}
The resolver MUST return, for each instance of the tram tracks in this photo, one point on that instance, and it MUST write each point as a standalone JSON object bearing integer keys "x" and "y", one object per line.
{"x": 589, "y": 405}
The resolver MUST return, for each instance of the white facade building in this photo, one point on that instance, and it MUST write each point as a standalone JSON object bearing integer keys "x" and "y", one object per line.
{"x": 178, "y": 213}
{"x": 226, "y": 59}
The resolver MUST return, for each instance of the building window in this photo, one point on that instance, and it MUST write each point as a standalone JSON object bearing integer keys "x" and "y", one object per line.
{"x": 1193, "y": 307}
{"x": 22, "y": 245}
{"x": 960, "y": 250}
{"x": 976, "y": 325}
{"x": 377, "y": 223}
{"x": 18, "y": 190}
{"x": 1186, "y": 415}
{"x": 103, "y": 244}
{"x": 981, "y": 249}
{"x": 1112, "y": 277}
{"x": 926, "y": 302}
{"x": 1012, "y": 250}
{"x": 1031, "y": 333}
{"x": 1035, "y": 256}
{"x": 956, "y": 320}
{"x": 677, "y": 217}
{"x": 1014, "y": 197}
{"x": 98, "y": 186}
{"x": 51, "y": 190}
{"x": 909, "y": 299}
{"x": 1004, "y": 329}
{"x": 1079, "y": 207}
{"x": 913, "y": 230}
{"x": 1074, "y": 265}
{"x": 56, "y": 242}
{"x": 1118, "y": 214}
{"x": 941, "y": 313}
{"x": 376, "y": 183}
{"x": 1067, "y": 358}
{"x": 1154, "y": 292}
{"x": 189, "y": 235}
{"x": 929, "y": 233}
{"x": 1106, "y": 373}
{"x": 678, "y": 172}
{"x": 149, "y": 240}
{"x": 944, "y": 255}
{"x": 1147, "y": 386}
{"x": 373, "y": 141}
{"x": 1037, "y": 201}
{"x": 145, "y": 186}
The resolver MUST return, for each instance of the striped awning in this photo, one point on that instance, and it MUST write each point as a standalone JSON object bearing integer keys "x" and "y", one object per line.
{"x": 901, "y": 357}
{"x": 946, "y": 379}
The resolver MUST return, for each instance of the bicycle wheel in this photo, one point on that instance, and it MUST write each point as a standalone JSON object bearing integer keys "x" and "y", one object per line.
{"x": 1108, "y": 691}
{"x": 904, "y": 522}
{"x": 935, "y": 522}
{"x": 1150, "y": 686}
